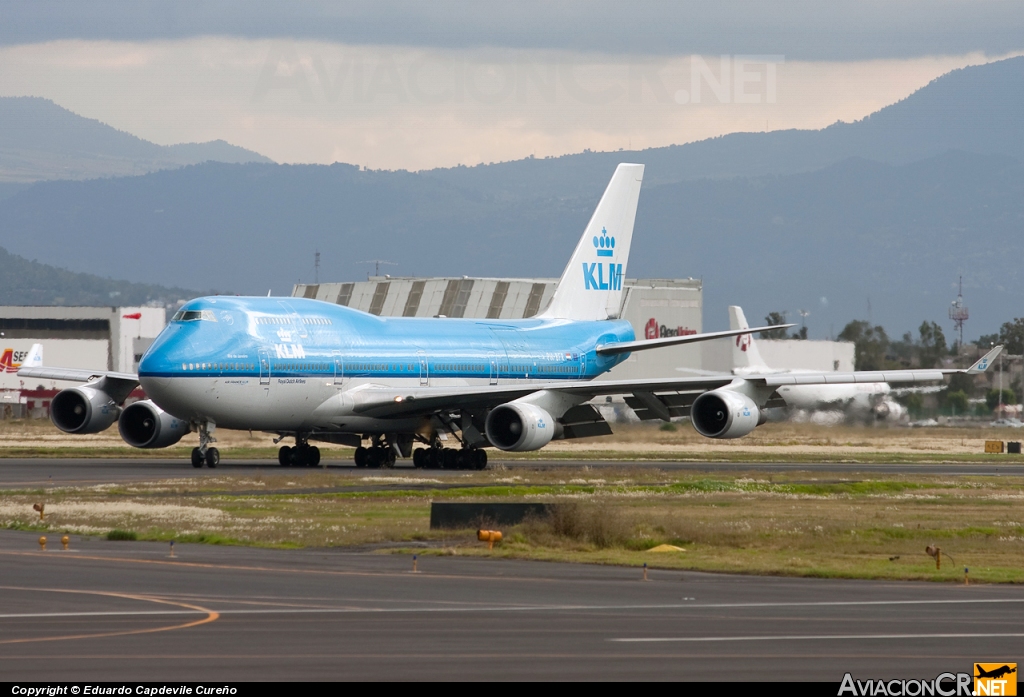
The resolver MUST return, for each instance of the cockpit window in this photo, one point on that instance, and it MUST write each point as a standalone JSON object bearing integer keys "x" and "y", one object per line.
{"x": 193, "y": 316}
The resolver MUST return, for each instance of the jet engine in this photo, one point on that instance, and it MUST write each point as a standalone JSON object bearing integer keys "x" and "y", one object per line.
{"x": 519, "y": 426}
{"x": 145, "y": 425}
{"x": 725, "y": 414}
{"x": 83, "y": 410}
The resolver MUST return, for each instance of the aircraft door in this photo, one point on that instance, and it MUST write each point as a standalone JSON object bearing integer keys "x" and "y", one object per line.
{"x": 583, "y": 365}
{"x": 424, "y": 371}
{"x": 339, "y": 368}
{"x": 264, "y": 358}
{"x": 492, "y": 358}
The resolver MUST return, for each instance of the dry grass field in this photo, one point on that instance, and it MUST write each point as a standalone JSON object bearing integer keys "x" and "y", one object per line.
{"x": 798, "y": 524}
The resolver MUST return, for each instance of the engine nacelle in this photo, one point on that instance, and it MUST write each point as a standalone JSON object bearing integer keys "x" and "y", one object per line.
{"x": 519, "y": 426}
{"x": 725, "y": 414}
{"x": 145, "y": 425}
{"x": 83, "y": 410}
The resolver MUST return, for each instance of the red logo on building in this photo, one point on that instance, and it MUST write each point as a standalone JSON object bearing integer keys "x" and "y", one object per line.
{"x": 655, "y": 331}
{"x": 7, "y": 361}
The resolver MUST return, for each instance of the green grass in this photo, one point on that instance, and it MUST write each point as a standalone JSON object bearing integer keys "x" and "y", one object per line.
{"x": 122, "y": 535}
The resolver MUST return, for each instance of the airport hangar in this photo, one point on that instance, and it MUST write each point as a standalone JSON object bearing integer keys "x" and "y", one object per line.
{"x": 655, "y": 307}
{"x": 90, "y": 338}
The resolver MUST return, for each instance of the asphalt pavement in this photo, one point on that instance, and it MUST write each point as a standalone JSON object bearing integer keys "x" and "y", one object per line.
{"x": 22, "y": 473}
{"x": 127, "y": 611}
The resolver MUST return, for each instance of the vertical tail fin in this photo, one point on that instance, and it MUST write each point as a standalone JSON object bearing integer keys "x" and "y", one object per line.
{"x": 591, "y": 285}
{"x": 34, "y": 359}
{"x": 744, "y": 350}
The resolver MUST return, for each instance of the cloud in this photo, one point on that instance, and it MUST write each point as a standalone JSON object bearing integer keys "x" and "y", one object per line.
{"x": 811, "y": 31}
{"x": 415, "y": 108}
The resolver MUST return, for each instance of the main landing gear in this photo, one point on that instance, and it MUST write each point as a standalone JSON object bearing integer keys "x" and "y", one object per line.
{"x": 302, "y": 455}
{"x": 449, "y": 458}
{"x": 376, "y": 457}
{"x": 204, "y": 454}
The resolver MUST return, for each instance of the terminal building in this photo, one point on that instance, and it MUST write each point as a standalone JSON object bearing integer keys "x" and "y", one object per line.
{"x": 91, "y": 338}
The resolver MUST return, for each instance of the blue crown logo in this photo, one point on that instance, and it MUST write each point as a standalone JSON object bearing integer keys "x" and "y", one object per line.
{"x": 604, "y": 244}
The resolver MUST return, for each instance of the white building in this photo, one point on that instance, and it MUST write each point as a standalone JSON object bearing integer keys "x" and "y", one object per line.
{"x": 96, "y": 338}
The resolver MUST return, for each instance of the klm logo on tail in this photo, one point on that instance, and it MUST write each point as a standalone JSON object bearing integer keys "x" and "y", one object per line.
{"x": 594, "y": 274}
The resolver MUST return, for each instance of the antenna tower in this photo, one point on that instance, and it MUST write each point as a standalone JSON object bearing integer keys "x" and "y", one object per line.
{"x": 959, "y": 314}
{"x": 316, "y": 267}
{"x": 377, "y": 264}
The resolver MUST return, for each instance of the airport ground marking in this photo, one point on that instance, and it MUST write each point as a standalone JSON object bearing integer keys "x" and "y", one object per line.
{"x": 193, "y": 609}
{"x": 211, "y": 615}
{"x": 813, "y": 637}
{"x": 239, "y": 567}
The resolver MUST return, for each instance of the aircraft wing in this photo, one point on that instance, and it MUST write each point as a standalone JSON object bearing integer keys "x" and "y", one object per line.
{"x": 645, "y": 344}
{"x": 117, "y": 385}
{"x": 663, "y": 397}
{"x": 391, "y": 402}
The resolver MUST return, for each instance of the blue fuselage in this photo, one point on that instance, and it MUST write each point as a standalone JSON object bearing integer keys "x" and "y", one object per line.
{"x": 216, "y": 346}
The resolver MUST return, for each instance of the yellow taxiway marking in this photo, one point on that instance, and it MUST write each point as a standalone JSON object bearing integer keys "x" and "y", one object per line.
{"x": 211, "y": 615}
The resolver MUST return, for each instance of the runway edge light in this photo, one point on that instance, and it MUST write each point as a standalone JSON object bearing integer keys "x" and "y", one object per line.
{"x": 489, "y": 536}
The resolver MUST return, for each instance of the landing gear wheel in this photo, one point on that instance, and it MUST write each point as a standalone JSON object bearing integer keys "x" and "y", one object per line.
{"x": 314, "y": 456}
{"x": 435, "y": 460}
{"x": 451, "y": 459}
{"x": 388, "y": 458}
{"x": 480, "y": 459}
{"x": 361, "y": 457}
{"x": 419, "y": 458}
{"x": 298, "y": 458}
{"x": 197, "y": 457}
{"x": 212, "y": 457}
{"x": 284, "y": 456}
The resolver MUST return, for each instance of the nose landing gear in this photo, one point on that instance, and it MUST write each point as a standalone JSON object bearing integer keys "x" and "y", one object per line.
{"x": 205, "y": 454}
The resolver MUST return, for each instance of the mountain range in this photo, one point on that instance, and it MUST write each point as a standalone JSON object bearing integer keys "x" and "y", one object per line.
{"x": 868, "y": 220}
{"x": 43, "y": 141}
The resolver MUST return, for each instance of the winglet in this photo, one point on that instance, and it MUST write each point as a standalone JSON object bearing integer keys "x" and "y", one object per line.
{"x": 34, "y": 359}
{"x": 985, "y": 362}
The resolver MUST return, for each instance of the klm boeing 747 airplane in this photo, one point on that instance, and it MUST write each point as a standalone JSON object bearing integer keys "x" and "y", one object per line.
{"x": 315, "y": 371}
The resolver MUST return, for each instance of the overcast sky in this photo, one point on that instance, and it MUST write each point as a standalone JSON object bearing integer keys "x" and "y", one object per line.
{"x": 417, "y": 85}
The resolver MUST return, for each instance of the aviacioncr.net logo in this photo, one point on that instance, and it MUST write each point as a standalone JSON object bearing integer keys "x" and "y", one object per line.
{"x": 943, "y": 685}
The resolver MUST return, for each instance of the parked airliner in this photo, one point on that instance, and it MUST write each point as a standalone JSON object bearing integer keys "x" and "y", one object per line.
{"x": 315, "y": 371}
{"x": 863, "y": 397}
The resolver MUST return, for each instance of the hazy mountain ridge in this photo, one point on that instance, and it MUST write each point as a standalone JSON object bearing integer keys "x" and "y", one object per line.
{"x": 43, "y": 141}
{"x": 24, "y": 282}
{"x": 974, "y": 109}
{"x": 852, "y": 231}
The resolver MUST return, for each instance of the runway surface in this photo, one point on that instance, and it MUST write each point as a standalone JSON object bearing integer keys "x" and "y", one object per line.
{"x": 41, "y": 473}
{"x": 126, "y": 611}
